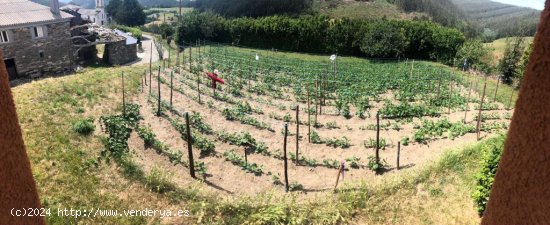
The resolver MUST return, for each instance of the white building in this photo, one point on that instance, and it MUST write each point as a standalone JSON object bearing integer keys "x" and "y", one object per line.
{"x": 97, "y": 15}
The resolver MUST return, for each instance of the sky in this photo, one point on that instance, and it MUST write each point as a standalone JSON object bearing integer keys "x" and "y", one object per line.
{"x": 536, "y": 4}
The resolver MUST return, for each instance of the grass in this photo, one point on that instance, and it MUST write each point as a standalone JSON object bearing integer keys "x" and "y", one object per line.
{"x": 499, "y": 46}
{"x": 64, "y": 163}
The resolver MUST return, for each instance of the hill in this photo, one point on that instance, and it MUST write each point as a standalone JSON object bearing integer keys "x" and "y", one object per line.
{"x": 500, "y": 20}
{"x": 362, "y": 10}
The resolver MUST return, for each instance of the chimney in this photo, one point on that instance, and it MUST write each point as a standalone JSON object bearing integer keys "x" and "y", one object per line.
{"x": 54, "y": 6}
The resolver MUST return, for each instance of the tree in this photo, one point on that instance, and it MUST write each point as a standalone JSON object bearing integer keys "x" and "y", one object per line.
{"x": 112, "y": 8}
{"x": 523, "y": 64}
{"x": 130, "y": 13}
{"x": 509, "y": 63}
{"x": 475, "y": 53}
{"x": 384, "y": 39}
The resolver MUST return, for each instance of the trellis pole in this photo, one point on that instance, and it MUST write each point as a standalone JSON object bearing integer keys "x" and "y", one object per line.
{"x": 496, "y": 90}
{"x": 377, "y": 137}
{"x": 158, "y": 86}
{"x": 123, "y": 96}
{"x": 467, "y": 101}
{"x": 285, "y": 158}
{"x": 480, "y": 109}
{"x": 171, "y": 87}
{"x": 190, "y": 146}
{"x": 308, "y": 118}
{"x": 297, "y": 133}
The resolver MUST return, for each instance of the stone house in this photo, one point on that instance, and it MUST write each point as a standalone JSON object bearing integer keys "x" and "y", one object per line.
{"x": 35, "y": 39}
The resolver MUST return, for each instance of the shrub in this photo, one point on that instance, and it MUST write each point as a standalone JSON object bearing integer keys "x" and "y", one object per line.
{"x": 374, "y": 166}
{"x": 315, "y": 138}
{"x": 486, "y": 175}
{"x": 147, "y": 135}
{"x": 84, "y": 127}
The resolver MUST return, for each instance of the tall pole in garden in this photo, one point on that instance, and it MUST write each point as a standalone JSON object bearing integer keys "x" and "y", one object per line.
{"x": 285, "y": 158}
{"x": 398, "y": 153}
{"x": 450, "y": 95}
{"x": 479, "y": 115}
{"x": 151, "y": 61}
{"x": 467, "y": 101}
{"x": 308, "y": 118}
{"x": 171, "y": 86}
{"x": 123, "y": 96}
{"x": 190, "y": 147}
{"x": 158, "y": 86}
{"x": 297, "y": 133}
{"x": 496, "y": 90}
{"x": 377, "y": 137}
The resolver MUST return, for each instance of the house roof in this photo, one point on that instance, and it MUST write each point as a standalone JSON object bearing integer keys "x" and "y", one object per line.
{"x": 22, "y": 12}
{"x": 129, "y": 38}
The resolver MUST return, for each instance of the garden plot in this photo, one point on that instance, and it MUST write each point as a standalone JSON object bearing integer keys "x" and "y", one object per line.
{"x": 421, "y": 108}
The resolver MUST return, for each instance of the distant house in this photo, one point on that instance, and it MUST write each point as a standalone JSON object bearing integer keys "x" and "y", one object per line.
{"x": 97, "y": 16}
{"x": 35, "y": 39}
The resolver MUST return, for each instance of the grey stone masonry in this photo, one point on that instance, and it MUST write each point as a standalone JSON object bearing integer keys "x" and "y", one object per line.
{"x": 34, "y": 57}
{"x": 119, "y": 53}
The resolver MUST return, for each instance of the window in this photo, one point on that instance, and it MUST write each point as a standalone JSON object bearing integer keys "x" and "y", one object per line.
{"x": 41, "y": 54}
{"x": 38, "y": 32}
{"x": 4, "y": 37}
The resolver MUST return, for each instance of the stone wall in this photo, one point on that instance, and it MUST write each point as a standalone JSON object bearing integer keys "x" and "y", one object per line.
{"x": 56, "y": 48}
{"x": 118, "y": 53}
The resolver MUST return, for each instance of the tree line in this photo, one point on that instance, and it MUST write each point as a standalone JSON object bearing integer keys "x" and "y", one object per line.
{"x": 320, "y": 34}
{"x": 253, "y": 8}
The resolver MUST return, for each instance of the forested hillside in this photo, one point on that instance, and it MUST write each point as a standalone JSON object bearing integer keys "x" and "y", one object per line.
{"x": 500, "y": 20}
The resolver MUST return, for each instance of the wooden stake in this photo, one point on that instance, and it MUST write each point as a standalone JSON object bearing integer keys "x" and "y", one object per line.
{"x": 145, "y": 76}
{"x": 297, "y": 133}
{"x": 467, "y": 101}
{"x": 150, "y": 81}
{"x": 450, "y": 95}
{"x": 439, "y": 88}
{"x": 377, "y": 137}
{"x": 198, "y": 87}
{"x": 285, "y": 158}
{"x": 141, "y": 81}
{"x": 398, "y": 153}
{"x": 245, "y": 156}
{"x": 190, "y": 147}
{"x": 479, "y": 115}
{"x": 151, "y": 60}
{"x": 123, "y": 96}
{"x": 316, "y": 102}
{"x": 171, "y": 87}
{"x": 496, "y": 90}
{"x": 340, "y": 169}
{"x": 190, "y": 58}
{"x": 169, "y": 57}
{"x": 158, "y": 85}
{"x": 308, "y": 119}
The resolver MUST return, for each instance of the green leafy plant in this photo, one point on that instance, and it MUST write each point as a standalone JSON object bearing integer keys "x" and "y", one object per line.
{"x": 84, "y": 127}
{"x": 374, "y": 166}
{"x": 490, "y": 158}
